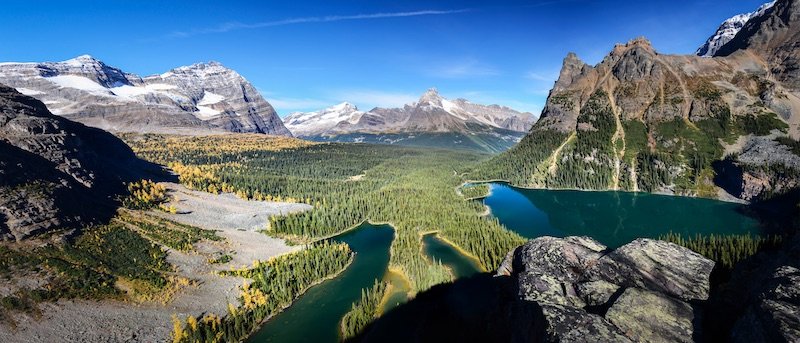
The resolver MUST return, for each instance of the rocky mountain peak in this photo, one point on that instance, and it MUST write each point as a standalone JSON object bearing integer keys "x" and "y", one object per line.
{"x": 345, "y": 106}
{"x": 431, "y": 96}
{"x": 571, "y": 70}
{"x": 206, "y": 96}
{"x": 637, "y": 44}
{"x": 728, "y": 29}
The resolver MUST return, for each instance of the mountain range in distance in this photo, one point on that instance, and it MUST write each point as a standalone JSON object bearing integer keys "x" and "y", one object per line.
{"x": 203, "y": 97}
{"x": 431, "y": 121}
{"x": 210, "y": 98}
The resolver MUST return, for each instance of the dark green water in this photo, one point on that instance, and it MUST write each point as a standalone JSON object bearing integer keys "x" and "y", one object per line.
{"x": 438, "y": 250}
{"x": 315, "y": 316}
{"x": 613, "y": 218}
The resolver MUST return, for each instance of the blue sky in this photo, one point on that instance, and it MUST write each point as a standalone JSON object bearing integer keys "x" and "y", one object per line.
{"x": 309, "y": 55}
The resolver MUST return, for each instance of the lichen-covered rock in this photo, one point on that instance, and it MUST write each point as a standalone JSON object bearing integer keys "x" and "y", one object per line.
{"x": 570, "y": 324}
{"x": 562, "y": 258}
{"x": 656, "y": 265}
{"x": 638, "y": 292}
{"x": 775, "y": 315}
{"x": 596, "y": 293}
{"x": 647, "y": 316}
{"x": 546, "y": 289}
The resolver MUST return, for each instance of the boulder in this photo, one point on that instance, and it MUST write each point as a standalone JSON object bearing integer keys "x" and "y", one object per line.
{"x": 596, "y": 293}
{"x": 658, "y": 266}
{"x": 565, "y": 259}
{"x": 570, "y": 324}
{"x": 646, "y": 316}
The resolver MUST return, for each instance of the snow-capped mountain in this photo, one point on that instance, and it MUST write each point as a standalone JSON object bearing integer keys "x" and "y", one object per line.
{"x": 431, "y": 113}
{"x": 729, "y": 29}
{"x": 303, "y": 124}
{"x": 432, "y": 120}
{"x": 195, "y": 98}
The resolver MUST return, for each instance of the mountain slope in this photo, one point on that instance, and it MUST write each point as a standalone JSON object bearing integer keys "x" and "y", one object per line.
{"x": 56, "y": 174}
{"x": 431, "y": 121}
{"x": 303, "y": 124}
{"x": 728, "y": 30}
{"x": 200, "y": 97}
{"x": 640, "y": 120}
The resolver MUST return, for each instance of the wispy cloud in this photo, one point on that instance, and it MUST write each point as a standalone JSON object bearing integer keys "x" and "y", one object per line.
{"x": 546, "y": 77}
{"x": 463, "y": 69}
{"x": 286, "y": 105}
{"x": 367, "y": 99}
{"x": 232, "y": 26}
{"x": 490, "y": 98}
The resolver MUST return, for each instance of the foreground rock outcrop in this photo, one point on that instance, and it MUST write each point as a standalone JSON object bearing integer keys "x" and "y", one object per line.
{"x": 56, "y": 174}
{"x": 644, "y": 291}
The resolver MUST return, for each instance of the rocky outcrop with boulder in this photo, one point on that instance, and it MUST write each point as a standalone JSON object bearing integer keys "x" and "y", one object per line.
{"x": 644, "y": 291}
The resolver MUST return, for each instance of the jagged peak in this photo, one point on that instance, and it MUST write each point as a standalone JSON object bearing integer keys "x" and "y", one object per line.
{"x": 83, "y": 60}
{"x": 639, "y": 42}
{"x": 343, "y": 106}
{"x": 431, "y": 96}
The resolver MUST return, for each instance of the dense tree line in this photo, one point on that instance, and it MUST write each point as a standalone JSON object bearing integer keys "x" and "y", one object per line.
{"x": 276, "y": 283}
{"x": 413, "y": 189}
{"x": 726, "y": 250}
{"x": 363, "y": 311}
{"x": 475, "y": 191}
{"x": 676, "y": 154}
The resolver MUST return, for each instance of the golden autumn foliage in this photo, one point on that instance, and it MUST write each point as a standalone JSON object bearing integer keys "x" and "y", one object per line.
{"x": 145, "y": 194}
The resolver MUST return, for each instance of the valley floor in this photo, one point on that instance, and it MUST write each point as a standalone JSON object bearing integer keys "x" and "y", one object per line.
{"x": 238, "y": 221}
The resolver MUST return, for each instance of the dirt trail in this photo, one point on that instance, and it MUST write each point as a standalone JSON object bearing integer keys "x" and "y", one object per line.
{"x": 553, "y": 167}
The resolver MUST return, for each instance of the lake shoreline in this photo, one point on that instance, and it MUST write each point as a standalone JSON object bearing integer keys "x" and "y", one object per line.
{"x": 730, "y": 199}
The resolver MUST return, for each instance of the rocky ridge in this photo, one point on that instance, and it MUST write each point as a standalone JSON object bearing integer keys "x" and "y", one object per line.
{"x": 56, "y": 174}
{"x": 728, "y": 29}
{"x": 642, "y": 291}
{"x": 644, "y": 121}
{"x": 434, "y": 113}
{"x": 203, "y": 97}
{"x": 431, "y": 121}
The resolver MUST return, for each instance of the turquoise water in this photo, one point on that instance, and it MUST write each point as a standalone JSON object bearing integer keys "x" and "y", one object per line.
{"x": 613, "y": 218}
{"x": 315, "y": 316}
{"x": 438, "y": 250}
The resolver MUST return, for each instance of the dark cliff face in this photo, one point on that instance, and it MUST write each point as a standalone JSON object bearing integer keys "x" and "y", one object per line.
{"x": 56, "y": 174}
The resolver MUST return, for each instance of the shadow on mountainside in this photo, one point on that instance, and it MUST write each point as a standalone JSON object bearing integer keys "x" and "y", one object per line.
{"x": 56, "y": 174}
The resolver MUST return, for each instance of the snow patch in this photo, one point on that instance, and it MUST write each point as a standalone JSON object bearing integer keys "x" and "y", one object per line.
{"x": 79, "y": 82}
{"x": 205, "y": 112}
{"x": 210, "y": 99}
{"x": 28, "y": 91}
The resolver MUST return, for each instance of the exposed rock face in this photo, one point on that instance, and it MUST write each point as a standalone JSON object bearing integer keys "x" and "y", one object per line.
{"x": 638, "y": 292}
{"x": 656, "y": 265}
{"x": 203, "y": 97}
{"x": 644, "y": 121}
{"x": 646, "y": 316}
{"x": 775, "y": 37}
{"x": 56, "y": 174}
{"x": 433, "y": 120}
{"x": 729, "y": 29}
